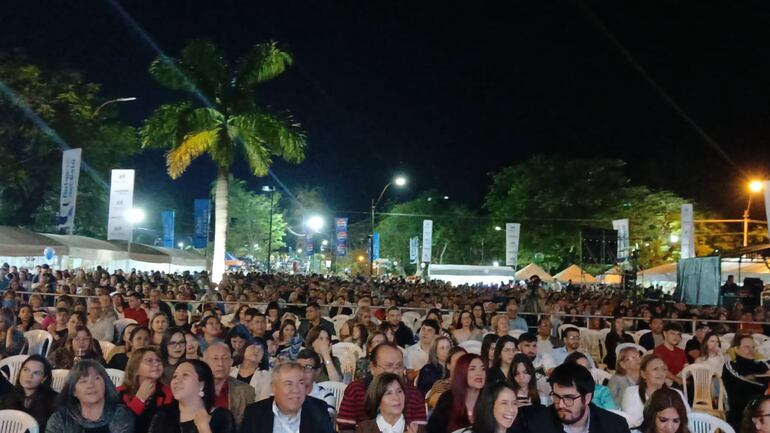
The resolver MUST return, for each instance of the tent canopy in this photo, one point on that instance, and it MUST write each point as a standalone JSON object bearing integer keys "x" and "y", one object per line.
{"x": 18, "y": 242}
{"x": 613, "y": 276}
{"x": 575, "y": 273}
{"x": 468, "y": 274}
{"x": 531, "y": 269}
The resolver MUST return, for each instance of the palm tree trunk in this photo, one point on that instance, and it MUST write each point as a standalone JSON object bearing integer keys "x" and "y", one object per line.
{"x": 220, "y": 227}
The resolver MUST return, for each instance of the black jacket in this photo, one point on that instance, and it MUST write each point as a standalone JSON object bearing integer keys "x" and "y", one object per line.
{"x": 259, "y": 417}
{"x": 543, "y": 419}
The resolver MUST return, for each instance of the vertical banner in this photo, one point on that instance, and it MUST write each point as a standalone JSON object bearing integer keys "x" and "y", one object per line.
{"x": 341, "y": 228}
{"x": 376, "y": 246}
{"x": 621, "y": 226}
{"x": 427, "y": 240}
{"x": 309, "y": 243}
{"x": 414, "y": 243}
{"x": 121, "y": 200}
{"x": 688, "y": 232}
{"x": 766, "y": 188}
{"x": 512, "y": 231}
{"x": 70, "y": 173}
{"x": 202, "y": 219}
{"x": 167, "y": 218}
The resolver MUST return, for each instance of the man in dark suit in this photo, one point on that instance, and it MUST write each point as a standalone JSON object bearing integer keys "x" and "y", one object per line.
{"x": 289, "y": 410}
{"x": 572, "y": 410}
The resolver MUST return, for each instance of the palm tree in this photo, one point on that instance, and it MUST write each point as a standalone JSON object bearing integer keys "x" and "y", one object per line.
{"x": 222, "y": 119}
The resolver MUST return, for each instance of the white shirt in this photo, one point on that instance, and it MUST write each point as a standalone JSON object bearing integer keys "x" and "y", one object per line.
{"x": 415, "y": 357}
{"x": 384, "y": 427}
{"x": 283, "y": 423}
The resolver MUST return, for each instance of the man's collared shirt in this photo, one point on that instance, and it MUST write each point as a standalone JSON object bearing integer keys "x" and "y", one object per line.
{"x": 285, "y": 423}
{"x": 560, "y": 354}
{"x": 415, "y": 357}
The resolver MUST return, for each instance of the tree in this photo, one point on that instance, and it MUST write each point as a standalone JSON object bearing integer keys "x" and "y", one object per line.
{"x": 41, "y": 112}
{"x": 223, "y": 119}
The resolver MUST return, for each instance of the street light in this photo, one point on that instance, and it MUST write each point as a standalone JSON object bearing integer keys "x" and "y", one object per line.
{"x": 271, "y": 190}
{"x": 673, "y": 238}
{"x": 399, "y": 181}
{"x": 315, "y": 223}
{"x": 180, "y": 245}
{"x": 111, "y": 101}
{"x": 754, "y": 187}
{"x": 133, "y": 216}
{"x": 498, "y": 228}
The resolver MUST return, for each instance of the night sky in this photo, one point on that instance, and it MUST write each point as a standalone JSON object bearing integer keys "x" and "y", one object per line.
{"x": 447, "y": 92}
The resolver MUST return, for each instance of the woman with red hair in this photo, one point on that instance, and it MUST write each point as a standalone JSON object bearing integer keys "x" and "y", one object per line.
{"x": 454, "y": 409}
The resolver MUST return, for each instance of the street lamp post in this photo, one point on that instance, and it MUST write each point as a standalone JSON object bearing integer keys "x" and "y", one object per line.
{"x": 754, "y": 186}
{"x": 133, "y": 216}
{"x": 111, "y": 101}
{"x": 399, "y": 181}
{"x": 271, "y": 190}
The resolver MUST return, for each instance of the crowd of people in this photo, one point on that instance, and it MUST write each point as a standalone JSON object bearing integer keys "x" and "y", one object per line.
{"x": 254, "y": 353}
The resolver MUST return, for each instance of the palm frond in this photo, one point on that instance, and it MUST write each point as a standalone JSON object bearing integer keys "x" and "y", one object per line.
{"x": 206, "y": 66}
{"x": 193, "y": 145}
{"x": 161, "y": 129}
{"x": 166, "y": 71}
{"x": 243, "y": 130}
{"x": 264, "y": 62}
{"x": 282, "y": 135}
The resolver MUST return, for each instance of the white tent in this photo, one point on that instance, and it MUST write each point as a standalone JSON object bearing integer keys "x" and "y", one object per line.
{"x": 467, "y": 274}
{"x": 666, "y": 274}
{"x": 21, "y": 247}
{"x": 87, "y": 253}
{"x": 613, "y": 276}
{"x": 575, "y": 274}
{"x": 531, "y": 269}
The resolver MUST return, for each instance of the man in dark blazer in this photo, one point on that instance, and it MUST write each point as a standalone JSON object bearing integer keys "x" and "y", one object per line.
{"x": 289, "y": 410}
{"x": 572, "y": 410}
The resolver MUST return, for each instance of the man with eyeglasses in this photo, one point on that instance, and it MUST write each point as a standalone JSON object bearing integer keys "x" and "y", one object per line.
{"x": 571, "y": 338}
{"x": 311, "y": 367}
{"x": 386, "y": 358}
{"x": 572, "y": 410}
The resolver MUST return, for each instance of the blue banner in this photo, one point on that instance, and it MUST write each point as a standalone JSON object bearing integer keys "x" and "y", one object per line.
{"x": 309, "y": 243}
{"x": 341, "y": 228}
{"x": 202, "y": 218}
{"x": 376, "y": 247}
{"x": 167, "y": 218}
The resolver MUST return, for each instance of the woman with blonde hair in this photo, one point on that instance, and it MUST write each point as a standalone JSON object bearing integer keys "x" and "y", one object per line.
{"x": 142, "y": 389}
{"x": 436, "y": 368}
{"x": 626, "y": 373}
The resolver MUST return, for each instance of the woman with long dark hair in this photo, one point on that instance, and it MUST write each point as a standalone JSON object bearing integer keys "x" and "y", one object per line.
{"x": 617, "y": 335}
{"x": 756, "y": 416}
{"x": 142, "y": 389}
{"x": 665, "y": 413}
{"x": 319, "y": 341}
{"x": 479, "y": 316}
{"x": 524, "y": 381}
{"x": 139, "y": 337}
{"x": 237, "y": 338}
{"x": 505, "y": 349}
{"x": 488, "y": 345}
{"x": 496, "y": 409}
{"x": 172, "y": 351}
{"x": 465, "y": 328}
{"x": 455, "y": 407}
{"x": 80, "y": 345}
{"x": 32, "y": 393}
{"x": 26, "y": 319}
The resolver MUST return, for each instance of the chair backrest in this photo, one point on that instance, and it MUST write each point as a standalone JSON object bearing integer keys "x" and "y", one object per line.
{"x": 600, "y": 376}
{"x": 638, "y": 334}
{"x": 338, "y": 321}
{"x": 348, "y": 354}
{"x": 760, "y": 339}
{"x": 515, "y": 333}
{"x": 106, "y": 347}
{"x": 336, "y": 388}
{"x": 411, "y": 319}
{"x": 683, "y": 343}
{"x": 16, "y": 421}
{"x": 703, "y": 376}
{"x": 120, "y": 325}
{"x": 58, "y": 377}
{"x": 472, "y": 346}
{"x": 116, "y": 376}
{"x": 699, "y": 422}
{"x": 10, "y": 367}
{"x": 38, "y": 342}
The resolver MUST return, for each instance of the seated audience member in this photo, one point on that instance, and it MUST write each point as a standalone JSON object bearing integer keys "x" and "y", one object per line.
{"x": 57, "y": 326}
{"x": 102, "y": 326}
{"x": 465, "y": 329}
{"x": 654, "y": 338}
{"x": 488, "y": 344}
{"x": 123, "y": 344}
{"x": 455, "y": 407}
{"x": 572, "y": 409}
{"x": 674, "y": 357}
{"x": 496, "y": 409}
{"x": 416, "y": 355}
{"x": 694, "y": 345}
{"x": 442, "y": 385}
{"x": 401, "y": 333}
{"x": 313, "y": 319}
{"x": 436, "y": 367}
{"x": 617, "y": 335}
{"x": 26, "y": 319}
{"x": 755, "y": 416}
{"x": 384, "y": 407}
{"x": 80, "y": 345}
{"x": 11, "y": 339}
{"x": 500, "y": 325}
{"x": 311, "y": 367}
{"x": 505, "y": 349}
{"x": 88, "y": 402}
{"x": 626, "y": 373}
{"x": 665, "y": 413}
{"x": 290, "y": 409}
{"x": 524, "y": 381}
{"x": 193, "y": 409}
{"x": 230, "y": 393}
{"x": 182, "y": 316}
{"x": 546, "y": 342}
{"x": 192, "y": 347}
{"x": 480, "y": 318}
{"x": 139, "y": 337}
{"x": 286, "y": 334}
{"x": 134, "y": 310}
{"x": 514, "y": 320}
{"x": 601, "y": 395}
{"x": 142, "y": 389}
{"x": 320, "y": 341}
{"x": 740, "y": 376}
{"x": 653, "y": 371}
{"x": 158, "y": 325}
{"x": 32, "y": 393}
{"x": 571, "y": 339}
{"x": 172, "y": 350}
{"x": 711, "y": 352}
{"x": 253, "y": 371}
{"x": 386, "y": 358}
{"x": 362, "y": 365}
{"x": 238, "y": 337}
{"x": 212, "y": 329}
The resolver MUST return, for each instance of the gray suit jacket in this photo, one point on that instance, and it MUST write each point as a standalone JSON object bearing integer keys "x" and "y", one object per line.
{"x": 239, "y": 396}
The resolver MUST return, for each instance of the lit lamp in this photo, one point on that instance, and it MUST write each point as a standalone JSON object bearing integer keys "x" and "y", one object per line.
{"x": 754, "y": 186}
{"x": 399, "y": 181}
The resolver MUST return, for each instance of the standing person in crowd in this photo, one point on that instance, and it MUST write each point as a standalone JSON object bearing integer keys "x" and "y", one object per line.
{"x": 756, "y": 416}
{"x": 32, "y": 393}
{"x": 416, "y": 355}
{"x": 653, "y": 377}
{"x": 80, "y": 345}
{"x": 674, "y": 357}
{"x": 26, "y": 319}
{"x": 488, "y": 345}
{"x": 386, "y": 358}
{"x": 617, "y": 335}
{"x": 436, "y": 367}
{"x": 465, "y": 329}
{"x": 601, "y": 395}
{"x": 230, "y": 393}
{"x": 290, "y": 409}
{"x": 501, "y": 364}
{"x": 654, "y": 338}
{"x": 158, "y": 326}
{"x": 135, "y": 310}
{"x": 312, "y": 319}
{"x": 142, "y": 389}
{"x": 362, "y": 365}
{"x": 740, "y": 376}
{"x": 172, "y": 351}
{"x": 546, "y": 342}
{"x": 88, "y": 402}
{"x": 311, "y": 367}
{"x": 102, "y": 327}
{"x": 665, "y": 413}
{"x": 403, "y": 335}
{"x": 455, "y": 407}
{"x": 626, "y": 373}
{"x": 254, "y": 370}
{"x": 384, "y": 407}
{"x": 193, "y": 409}
{"x": 320, "y": 342}
{"x": 514, "y": 321}
{"x": 571, "y": 338}
{"x": 139, "y": 337}
{"x": 11, "y": 339}
{"x": 524, "y": 381}
{"x": 442, "y": 385}
{"x": 711, "y": 352}
{"x": 496, "y": 409}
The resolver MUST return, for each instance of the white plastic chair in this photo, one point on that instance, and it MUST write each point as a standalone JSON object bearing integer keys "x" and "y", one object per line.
{"x": 338, "y": 321}
{"x": 58, "y": 377}
{"x": 760, "y": 339}
{"x": 411, "y": 319}
{"x": 38, "y": 342}
{"x": 12, "y": 364}
{"x": 116, "y": 376}
{"x": 685, "y": 338}
{"x": 638, "y": 335}
{"x": 704, "y": 377}
{"x": 348, "y": 354}
{"x": 16, "y": 421}
{"x": 699, "y": 422}
{"x": 337, "y": 389}
{"x": 106, "y": 347}
{"x": 120, "y": 325}
{"x": 600, "y": 376}
{"x": 515, "y": 333}
{"x": 471, "y": 346}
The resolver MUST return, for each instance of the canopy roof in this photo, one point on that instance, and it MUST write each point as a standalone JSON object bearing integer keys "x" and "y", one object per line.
{"x": 576, "y": 274}
{"x": 469, "y": 274}
{"x": 18, "y": 242}
{"x": 531, "y": 269}
{"x": 612, "y": 276}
